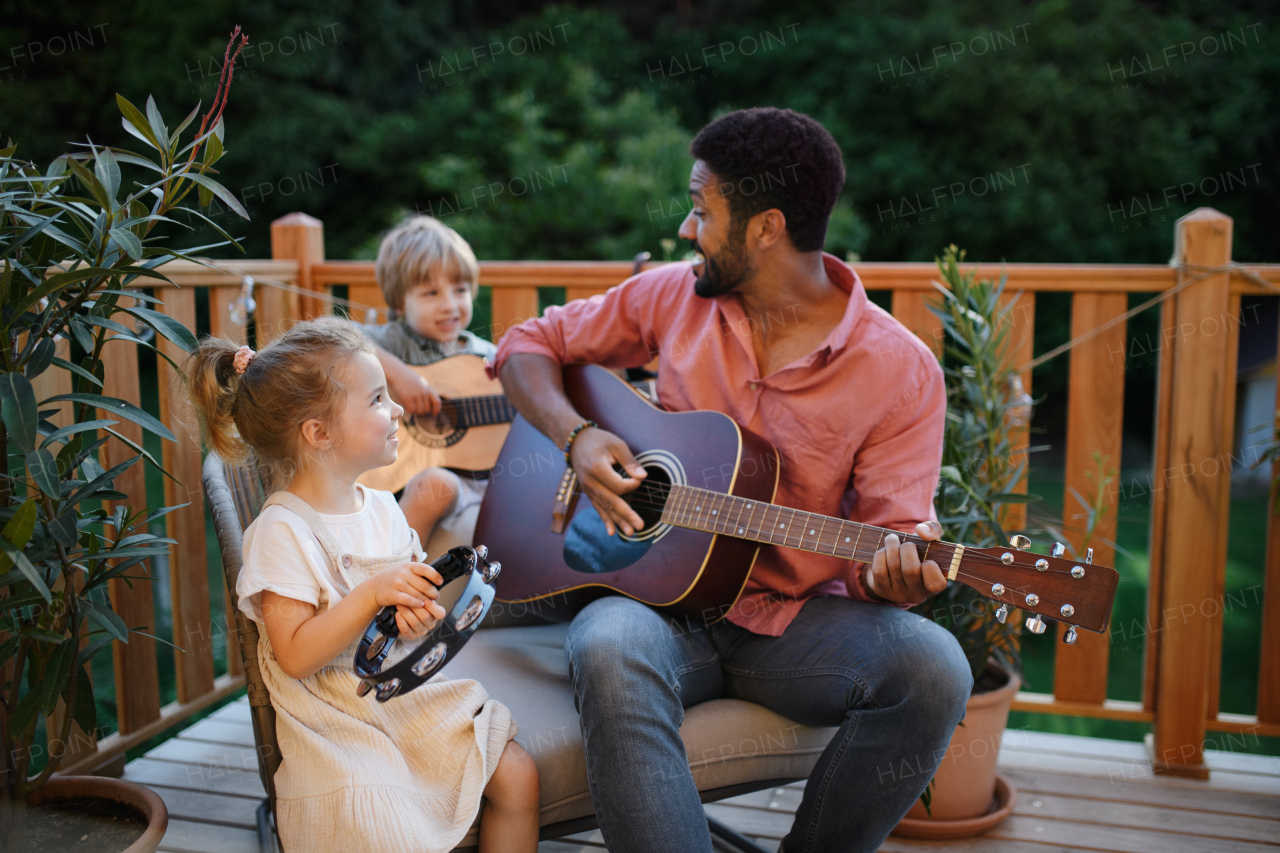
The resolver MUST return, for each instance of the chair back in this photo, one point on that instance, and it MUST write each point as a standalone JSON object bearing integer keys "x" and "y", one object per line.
{"x": 234, "y": 495}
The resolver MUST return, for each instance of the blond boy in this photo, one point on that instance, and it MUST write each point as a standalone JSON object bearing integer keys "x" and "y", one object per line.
{"x": 429, "y": 277}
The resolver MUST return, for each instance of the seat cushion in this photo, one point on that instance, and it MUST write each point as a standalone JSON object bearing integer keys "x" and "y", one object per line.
{"x": 727, "y": 741}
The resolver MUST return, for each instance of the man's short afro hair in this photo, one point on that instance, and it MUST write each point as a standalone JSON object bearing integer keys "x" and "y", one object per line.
{"x": 768, "y": 158}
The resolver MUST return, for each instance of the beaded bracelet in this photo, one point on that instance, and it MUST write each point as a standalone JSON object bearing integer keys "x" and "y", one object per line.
{"x": 573, "y": 433}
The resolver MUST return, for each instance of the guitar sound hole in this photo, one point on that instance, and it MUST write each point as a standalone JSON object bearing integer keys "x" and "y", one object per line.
{"x": 436, "y": 430}
{"x": 651, "y": 497}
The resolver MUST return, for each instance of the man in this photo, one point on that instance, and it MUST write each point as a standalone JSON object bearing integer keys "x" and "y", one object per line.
{"x": 768, "y": 329}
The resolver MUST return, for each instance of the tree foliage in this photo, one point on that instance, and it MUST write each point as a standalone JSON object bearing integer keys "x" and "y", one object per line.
{"x": 1084, "y": 114}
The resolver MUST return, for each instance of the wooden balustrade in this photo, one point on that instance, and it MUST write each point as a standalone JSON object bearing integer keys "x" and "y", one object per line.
{"x": 1195, "y": 403}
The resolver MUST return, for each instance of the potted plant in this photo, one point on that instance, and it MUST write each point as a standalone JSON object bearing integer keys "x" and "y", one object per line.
{"x": 76, "y": 244}
{"x": 986, "y": 403}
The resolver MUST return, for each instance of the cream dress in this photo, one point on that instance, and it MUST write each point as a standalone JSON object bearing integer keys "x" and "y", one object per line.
{"x": 357, "y": 774}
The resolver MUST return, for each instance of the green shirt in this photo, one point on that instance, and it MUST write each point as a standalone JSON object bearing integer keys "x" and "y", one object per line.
{"x": 412, "y": 348}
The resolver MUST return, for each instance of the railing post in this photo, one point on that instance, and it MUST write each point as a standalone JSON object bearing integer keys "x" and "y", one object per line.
{"x": 137, "y": 678}
{"x": 1095, "y": 421}
{"x": 1195, "y": 483}
{"x": 299, "y": 237}
{"x": 511, "y": 307}
{"x": 188, "y": 563}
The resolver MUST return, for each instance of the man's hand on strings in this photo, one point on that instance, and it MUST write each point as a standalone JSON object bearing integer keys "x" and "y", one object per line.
{"x": 896, "y": 573}
{"x": 595, "y": 452}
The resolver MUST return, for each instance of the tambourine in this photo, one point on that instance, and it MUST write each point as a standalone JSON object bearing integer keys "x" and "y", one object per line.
{"x": 443, "y": 642}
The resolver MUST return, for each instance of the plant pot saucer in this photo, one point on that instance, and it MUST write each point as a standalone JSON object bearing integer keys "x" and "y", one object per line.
{"x": 1002, "y": 804}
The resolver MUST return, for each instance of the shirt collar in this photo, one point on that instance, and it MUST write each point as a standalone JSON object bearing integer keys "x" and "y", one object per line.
{"x": 837, "y": 339}
{"x": 847, "y": 280}
{"x": 433, "y": 346}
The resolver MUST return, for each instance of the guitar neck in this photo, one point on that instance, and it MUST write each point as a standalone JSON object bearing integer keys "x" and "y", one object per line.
{"x": 482, "y": 411}
{"x": 714, "y": 512}
{"x": 497, "y": 409}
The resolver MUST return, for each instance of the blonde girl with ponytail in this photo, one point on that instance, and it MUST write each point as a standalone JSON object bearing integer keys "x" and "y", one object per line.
{"x": 311, "y": 410}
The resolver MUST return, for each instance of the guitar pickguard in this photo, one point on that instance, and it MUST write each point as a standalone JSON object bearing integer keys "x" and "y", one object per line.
{"x": 588, "y": 548}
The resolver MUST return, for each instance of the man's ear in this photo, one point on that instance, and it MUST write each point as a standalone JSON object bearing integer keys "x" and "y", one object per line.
{"x": 316, "y": 434}
{"x": 769, "y": 227}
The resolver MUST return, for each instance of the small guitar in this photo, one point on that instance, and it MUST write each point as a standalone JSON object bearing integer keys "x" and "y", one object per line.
{"x": 468, "y": 433}
{"x": 707, "y": 506}
{"x": 474, "y": 418}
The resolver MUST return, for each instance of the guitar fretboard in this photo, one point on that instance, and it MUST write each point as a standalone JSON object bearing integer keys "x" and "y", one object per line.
{"x": 481, "y": 411}
{"x": 713, "y": 512}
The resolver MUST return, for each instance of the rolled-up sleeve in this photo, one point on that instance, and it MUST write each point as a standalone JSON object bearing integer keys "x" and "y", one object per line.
{"x": 895, "y": 473}
{"x": 618, "y": 328}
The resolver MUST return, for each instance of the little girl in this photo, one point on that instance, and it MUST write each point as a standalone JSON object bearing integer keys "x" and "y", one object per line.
{"x": 323, "y": 557}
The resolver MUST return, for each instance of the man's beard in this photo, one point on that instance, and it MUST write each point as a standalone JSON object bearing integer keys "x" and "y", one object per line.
{"x": 725, "y": 272}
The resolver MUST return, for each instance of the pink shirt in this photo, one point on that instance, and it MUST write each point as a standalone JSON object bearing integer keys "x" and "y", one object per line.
{"x": 857, "y": 422}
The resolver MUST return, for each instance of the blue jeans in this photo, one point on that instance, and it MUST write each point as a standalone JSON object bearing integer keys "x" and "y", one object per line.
{"x": 895, "y": 683}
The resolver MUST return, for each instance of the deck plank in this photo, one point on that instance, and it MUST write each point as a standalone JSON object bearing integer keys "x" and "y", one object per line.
{"x": 1179, "y": 820}
{"x": 1029, "y": 783}
{"x": 236, "y": 712}
{"x": 1075, "y": 794}
{"x": 149, "y": 772}
{"x": 205, "y": 807}
{"x": 207, "y": 755}
{"x": 1115, "y": 839}
{"x": 220, "y": 731}
{"x": 1134, "y": 771}
{"x": 188, "y": 837}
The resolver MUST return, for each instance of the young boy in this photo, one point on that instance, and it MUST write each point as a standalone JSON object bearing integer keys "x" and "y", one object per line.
{"x": 429, "y": 276}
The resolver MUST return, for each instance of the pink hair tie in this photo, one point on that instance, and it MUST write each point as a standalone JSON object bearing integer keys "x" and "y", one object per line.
{"x": 244, "y": 355}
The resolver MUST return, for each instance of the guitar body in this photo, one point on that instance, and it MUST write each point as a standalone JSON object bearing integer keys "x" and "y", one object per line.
{"x": 689, "y": 572}
{"x": 427, "y": 442}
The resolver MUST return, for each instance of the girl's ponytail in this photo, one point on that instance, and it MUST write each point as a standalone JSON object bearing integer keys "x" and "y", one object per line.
{"x": 213, "y": 382}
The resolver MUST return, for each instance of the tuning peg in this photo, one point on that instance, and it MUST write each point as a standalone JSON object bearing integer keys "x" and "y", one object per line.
{"x": 490, "y": 572}
{"x": 1002, "y": 613}
{"x": 482, "y": 551}
{"x": 1020, "y": 542}
{"x": 1088, "y": 555}
{"x": 1035, "y": 624}
{"x": 1058, "y": 549}
{"x": 1070, "y": 637}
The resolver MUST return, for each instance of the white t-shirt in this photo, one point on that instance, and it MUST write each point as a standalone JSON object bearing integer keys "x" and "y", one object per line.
{"x": 283, "y": 555}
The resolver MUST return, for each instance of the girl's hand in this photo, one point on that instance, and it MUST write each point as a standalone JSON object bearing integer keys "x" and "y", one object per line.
{"x": 410, "y": 587}
{"x": 414, "y": 623}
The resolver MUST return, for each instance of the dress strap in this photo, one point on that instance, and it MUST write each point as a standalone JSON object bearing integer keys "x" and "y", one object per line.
{"x": 304, "y": 510}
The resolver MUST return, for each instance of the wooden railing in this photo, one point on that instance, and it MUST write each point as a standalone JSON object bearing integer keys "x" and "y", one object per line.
{"x": 1194, "y": 427}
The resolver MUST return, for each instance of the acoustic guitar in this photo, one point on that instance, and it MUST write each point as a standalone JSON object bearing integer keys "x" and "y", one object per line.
{"x": 468, "y": 433}
{"x": 707, "y": 506}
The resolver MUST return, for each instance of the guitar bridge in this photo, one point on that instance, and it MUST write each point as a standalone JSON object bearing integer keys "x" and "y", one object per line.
{"x": 566, "y": 496}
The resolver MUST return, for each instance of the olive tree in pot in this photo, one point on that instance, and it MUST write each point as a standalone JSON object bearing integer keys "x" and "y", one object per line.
{"x": 76, "y": 246}
{"x": 986, "y": 404}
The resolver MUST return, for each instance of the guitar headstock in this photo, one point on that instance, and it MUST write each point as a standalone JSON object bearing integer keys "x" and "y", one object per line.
{"x": 1077, "y": 592}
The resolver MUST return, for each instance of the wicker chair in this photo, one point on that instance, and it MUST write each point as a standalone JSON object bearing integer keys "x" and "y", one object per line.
{"x": 734, "y": 747}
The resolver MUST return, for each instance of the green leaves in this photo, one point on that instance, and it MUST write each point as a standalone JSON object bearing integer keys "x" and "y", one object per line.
{"x": 136, "y": 123}
{"x": 167, "y": 326}
{"x": 44, "y": 473}
{"x": 117, "y": 407}
{"x": 21, "y": 418}
{"x": 128, "y": 242}
{"x": 107, "y": 171}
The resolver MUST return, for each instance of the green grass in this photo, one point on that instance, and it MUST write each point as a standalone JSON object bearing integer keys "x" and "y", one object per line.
{"x": 1241, "y": 610}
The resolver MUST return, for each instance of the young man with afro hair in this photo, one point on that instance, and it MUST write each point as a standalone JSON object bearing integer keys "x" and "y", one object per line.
{"x": 767, "y": 328}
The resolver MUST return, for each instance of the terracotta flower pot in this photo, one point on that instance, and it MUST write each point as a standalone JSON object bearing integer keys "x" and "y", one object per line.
{"x": 968, "y": 796}
{"x": 143, "y": 799}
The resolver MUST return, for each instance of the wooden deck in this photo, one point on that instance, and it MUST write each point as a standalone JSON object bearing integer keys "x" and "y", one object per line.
{"x": 1075, "y": 793}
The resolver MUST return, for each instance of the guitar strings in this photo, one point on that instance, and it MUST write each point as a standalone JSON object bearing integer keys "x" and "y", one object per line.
{"x": 662, "y": 491}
